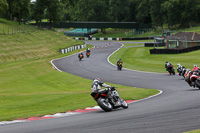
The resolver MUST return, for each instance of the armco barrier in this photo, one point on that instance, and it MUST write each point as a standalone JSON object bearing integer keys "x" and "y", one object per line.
{"x": 151, "y": 44}
{"x": 66, "y": 50}
{"x": 174, "y": 51}
{"x": 111, "y": 38}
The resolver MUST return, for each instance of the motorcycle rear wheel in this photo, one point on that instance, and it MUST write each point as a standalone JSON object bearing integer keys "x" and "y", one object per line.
{"x": 104, "y": 104}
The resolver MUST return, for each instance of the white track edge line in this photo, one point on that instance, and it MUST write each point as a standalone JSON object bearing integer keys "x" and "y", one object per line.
{"x": 127, "y": 68}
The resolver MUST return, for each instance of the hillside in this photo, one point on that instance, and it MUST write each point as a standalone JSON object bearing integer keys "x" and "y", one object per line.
{"x": 30, "y": 86}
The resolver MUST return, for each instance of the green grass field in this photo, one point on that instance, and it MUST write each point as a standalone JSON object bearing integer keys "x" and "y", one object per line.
{"x": 139, "y": 58}
{"x": 194, "y": 131}
{"x": 30, "y": 86}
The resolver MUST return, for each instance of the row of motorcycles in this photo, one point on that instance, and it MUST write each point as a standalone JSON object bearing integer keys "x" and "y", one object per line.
{"x": 191, "y": 77}
{"x": 81, "y": 56}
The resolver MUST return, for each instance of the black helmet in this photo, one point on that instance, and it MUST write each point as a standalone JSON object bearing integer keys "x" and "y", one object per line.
{"x": 166, "y": 62}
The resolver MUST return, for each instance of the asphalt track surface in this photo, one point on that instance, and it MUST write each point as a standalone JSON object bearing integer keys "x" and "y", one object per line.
{"x": 175, "y": 110}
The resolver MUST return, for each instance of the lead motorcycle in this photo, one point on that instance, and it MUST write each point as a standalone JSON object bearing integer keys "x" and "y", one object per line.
{"x": 119, "y": 66}
{"x": 171, "y": 69}
{"x": 109, "y": 100}
{"x": 88, "y": 54}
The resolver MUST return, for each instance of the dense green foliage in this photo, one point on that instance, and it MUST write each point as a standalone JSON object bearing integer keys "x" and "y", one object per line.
{"x": 158, "y": 12}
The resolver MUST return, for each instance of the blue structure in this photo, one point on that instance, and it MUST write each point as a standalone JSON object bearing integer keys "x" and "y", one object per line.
{"x": 81, "y": 32}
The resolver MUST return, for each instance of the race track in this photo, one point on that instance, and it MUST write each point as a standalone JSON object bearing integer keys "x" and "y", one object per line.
{"x": 175, "y": 110}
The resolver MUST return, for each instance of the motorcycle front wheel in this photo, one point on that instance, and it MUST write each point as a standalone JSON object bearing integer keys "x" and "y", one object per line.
{"x": 197, "y": 83}
{"x": 124, "y": 104}
{"x": 104, "y": 104}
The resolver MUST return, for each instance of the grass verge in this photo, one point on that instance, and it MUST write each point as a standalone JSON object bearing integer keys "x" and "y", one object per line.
{"x": 34, "y": 88}
{"x": 139, "y": 58}
{"x": 30, "y": 86}
{"x": 194, "y": 131}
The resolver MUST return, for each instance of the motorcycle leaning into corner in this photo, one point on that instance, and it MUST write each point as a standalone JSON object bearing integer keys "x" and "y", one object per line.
{"x": 169, "y": 67}
{"x": 192, "y": 78}
{"x": 119, "y": 66}
{"x": 180, "y": 69}
{"x": 195, "y": 79}
{"x": 88, "y": 54}
{"x": 80, "y": 56}
{"x": 109, "y": 100}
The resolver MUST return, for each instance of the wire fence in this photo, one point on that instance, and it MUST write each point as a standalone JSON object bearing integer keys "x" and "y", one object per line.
{"x": 16, "y": 30}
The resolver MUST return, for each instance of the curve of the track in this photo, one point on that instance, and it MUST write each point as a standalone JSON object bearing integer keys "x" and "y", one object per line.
{"x": 175, "y": 110}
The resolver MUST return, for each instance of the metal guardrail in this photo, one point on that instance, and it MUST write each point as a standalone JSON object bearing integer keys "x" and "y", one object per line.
{"x": 15, "y": 30}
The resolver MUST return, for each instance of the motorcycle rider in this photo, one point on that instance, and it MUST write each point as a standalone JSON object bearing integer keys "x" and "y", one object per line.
{"x": 80, "y": 55}
{"x": 195, "y": 68}
{"x": 88, "y": 50}
{"x": 119, "y": 62}
{"x": 179, "y": 69}
{"x": 167, "y": 65}
{"x": 97, "y": 87}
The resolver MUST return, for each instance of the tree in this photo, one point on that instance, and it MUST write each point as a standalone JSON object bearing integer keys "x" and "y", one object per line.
{"x": 157, "y": 14}
{"x": 172, "y": 9}
{"x": 143, "y": 12}
{"x": 88, "y": 10}
{"x": 38, "y": 11}
{"x": 3, "y": 6}
{"x": 22, "y": 10}
{"x": 54, "y": 12}
{"x": 190, "y": 12}
{"x": 119, "y": 10}
{"x": 11, "y": 8}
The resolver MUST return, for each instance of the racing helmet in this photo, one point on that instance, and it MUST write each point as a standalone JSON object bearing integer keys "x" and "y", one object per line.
{"x": 98, "y": 79}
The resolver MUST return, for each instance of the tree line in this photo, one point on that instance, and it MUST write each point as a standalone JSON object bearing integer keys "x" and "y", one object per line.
{"x": 182, "y": 13}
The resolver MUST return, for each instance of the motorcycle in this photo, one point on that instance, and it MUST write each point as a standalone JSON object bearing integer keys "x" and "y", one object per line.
{"x": 183, "y": 71}
{"x": 171, "y": 69}
{"x": 180, "y": 69}
{"x": 195, "y": 79}
{"x": 187, "y": 76}
{"x": 119, "y": 66}
{"x": 87, "y": 54}
{"x": 80, "y": 56}
{"x": 109, "y": 100}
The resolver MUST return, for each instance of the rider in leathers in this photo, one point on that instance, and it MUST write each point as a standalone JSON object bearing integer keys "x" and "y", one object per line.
{"x": 97, "y": 84}
{"x": 97, "y": 87}
{"x": 167, "y": 65}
